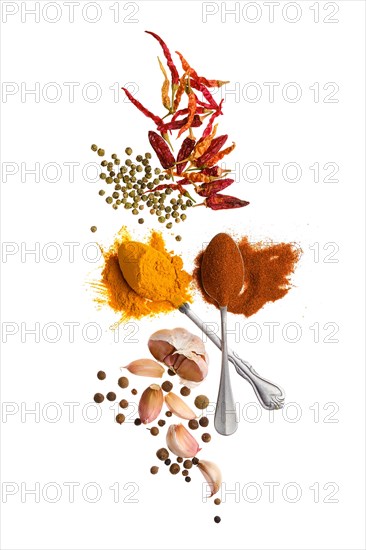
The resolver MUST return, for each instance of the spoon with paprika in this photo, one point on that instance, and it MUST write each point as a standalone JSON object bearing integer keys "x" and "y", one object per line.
{"x": 222, "y": 273}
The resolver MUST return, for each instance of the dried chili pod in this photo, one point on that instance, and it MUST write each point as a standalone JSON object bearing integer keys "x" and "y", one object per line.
{"x": 184, "y": 152}
{"x": 220, "y": 155}
{"x": 214, "y": 148}
{"x": 208, "y": 129}
{"x": 214, "y": 171}
{"x": 205, "y": 92}
{"x": 143, "y": 109}
{"x": 177, "y": 124}
{"x": 180, "y": 91}
{"x": 168, "y": 57}
{"x": 165, "y": 87}
{"x": 161, "y": 149}
{"x": 224, "y": 202}
{"x": 213, "y": 187}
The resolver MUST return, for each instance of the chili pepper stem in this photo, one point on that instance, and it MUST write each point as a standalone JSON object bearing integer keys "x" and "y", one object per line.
{"x": 200, "y": 204}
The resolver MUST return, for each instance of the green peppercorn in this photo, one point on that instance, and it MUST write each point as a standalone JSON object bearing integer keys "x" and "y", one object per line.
{"x": 101, "y": 192}
{"x": 101, "y": 152}
{"x": 128, "y": 151}
{"x": 135, "y": 212}
{"x": 177, "y": 220}
{"x": 139, "y": 158}
{"x": 157, "y": 171}
{"x": 117, "y": 162}
{"x": 161, "y": 219}
{"x": 104, "y": 163}
{"x": 169, "y": 225}
{"x": 115, "y": 195}
{"x": 141, "y": 220}
{"x": 109, "y": 200}
{"x": 94, "y": 147}
{"x": 93, "y": 228}
{"x": 128, "y": 162}
{"x": 161, "y": 177}
{"x": 102, "y": 176}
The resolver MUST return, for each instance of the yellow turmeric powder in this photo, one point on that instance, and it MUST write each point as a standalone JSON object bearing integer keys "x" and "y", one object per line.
{"x": 153, "y": 280}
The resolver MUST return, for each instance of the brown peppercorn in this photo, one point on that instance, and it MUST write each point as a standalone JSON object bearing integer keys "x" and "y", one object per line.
{"x": 168, "y": 413}
{"x": 195, "y": 460}
{"x": 162, "y": 453}
{"x": 206, "y": 437}
{"x": 193, "y": 424}
{"x": 167, "y": 386}
{"x": 101, "y": 375}
{"x": 161, "y": 423}
{"x": 217, "y": 501}
{"x": 99, "y": 398}
{"x": 123, "y": 404}
{"x": 154, "y": 431}
{"x": 185, "y": 473}
{"x": 201, "y": 402}
{"x": 187, "y": 464}
{"x": 137, "y": 422}
{"x": 111, "y": 396}
{"x": 217, "y": 519}
{"x": 179, "y": 459}
{"x": 171, "y": 372}
{"x": 187, "y": 479}
{"x": 185, "y": 391}
{"x": 120, "y": 418}
{"x": 134, "y": 392}
{"x": 123, "y": 382}
{"x": 154, "y": 469}
{"x": 204, "y": 422}
{"x": 174, "y": 468}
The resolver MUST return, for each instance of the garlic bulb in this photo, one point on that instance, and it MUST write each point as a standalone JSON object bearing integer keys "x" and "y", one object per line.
{"x": 181, "y": 351}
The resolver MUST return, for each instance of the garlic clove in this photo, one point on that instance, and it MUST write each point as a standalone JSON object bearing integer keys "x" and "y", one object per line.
{"x": 194, "y": 371}
{"x": 160, "y": 349}
{"x": 151, "y": 403}
{"x": 145, "y": 367}
{"x": 180, "y": 442}
{"x": 212, "y": 475}
{"x": 178, "y": 407}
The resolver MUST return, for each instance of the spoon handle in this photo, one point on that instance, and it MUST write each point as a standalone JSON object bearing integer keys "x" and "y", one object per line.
{"x": 269, "y": 395}
{"x": 226, "y": 422}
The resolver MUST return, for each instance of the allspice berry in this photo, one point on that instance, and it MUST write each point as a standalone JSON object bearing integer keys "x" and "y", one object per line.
{"x": 120, "y": 418}
{"x": 162, "y": 453}
{"x": 217, "y": 501}
{"x": 204, "y": 422}
{"x": 179, "y": 459}
{"x": 201, "y": 402}
{"x": 187, "y": 464}
{"x": 193, "y": 424}
{"x": 206, "y": 437}
{"x": 185, "y": 391}
{"x": 154, "y": 469}
{"x": 123, "y": 404}
{"x": 101, "y": 375}
{"x": 111, "y": 396}
{"x": 185, "y": 473}
{"x": 167, "y": 386}
{"x": 123, "y": 382}
{"x": 174, "y": 468}
{"x": 195, "y": 460}
{"x": 168, "y": 413}
{"x": 134, "y": 392}
{"x": 217, "y": 519}
{"x": 99, "y": 398}
{"x": 154, "y": 431}
{"x": 171, "y": 372}
{"x": 161, "y": 423}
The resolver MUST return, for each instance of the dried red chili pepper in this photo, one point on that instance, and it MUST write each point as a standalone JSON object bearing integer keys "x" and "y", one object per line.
{"x": 214, "y": 148}
{"x": 161, "y": 149}
{"x": 207, "y": 131}
{"x": 184, "y": 152}
{"x": 143, "y": 109}
{"x": 224, "y": 202}
{"x": 203, "y": 144}
{"x": 177, "y": 124}
{"x": 214, "y": 171}
{"x": 165, "y": 87}
{"x": 220, "y": 155}
{"x": 180, "y": 91}
{"x": 168, "y": 57}
{"x": 192, "y": 106}
{"x": 212, "y": 188}
{"x": 205, "y": 92}
{"x": 196, "y": 177}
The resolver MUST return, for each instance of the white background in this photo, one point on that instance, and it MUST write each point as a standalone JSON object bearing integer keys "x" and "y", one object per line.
{"x": 318, "y": 376}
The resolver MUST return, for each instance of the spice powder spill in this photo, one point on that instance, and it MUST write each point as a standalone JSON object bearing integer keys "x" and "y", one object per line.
{"x": 114, "y": 291}
{"x": 267, "y": 269}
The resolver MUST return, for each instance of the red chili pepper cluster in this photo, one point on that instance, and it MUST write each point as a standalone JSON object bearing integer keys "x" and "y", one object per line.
{"x": 203, "y": 155}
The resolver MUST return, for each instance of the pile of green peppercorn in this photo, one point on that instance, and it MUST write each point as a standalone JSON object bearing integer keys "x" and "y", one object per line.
{"x": 134, "y": 184}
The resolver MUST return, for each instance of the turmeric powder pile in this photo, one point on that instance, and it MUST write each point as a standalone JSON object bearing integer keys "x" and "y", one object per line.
{"x": 153, "y": 280}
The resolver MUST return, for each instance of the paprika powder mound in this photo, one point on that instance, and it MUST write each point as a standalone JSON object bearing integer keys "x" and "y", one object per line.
{"x": 267, "y": 269}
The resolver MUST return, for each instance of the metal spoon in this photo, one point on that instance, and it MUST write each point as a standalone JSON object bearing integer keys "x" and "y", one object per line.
{"x": 218, "y": 283}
